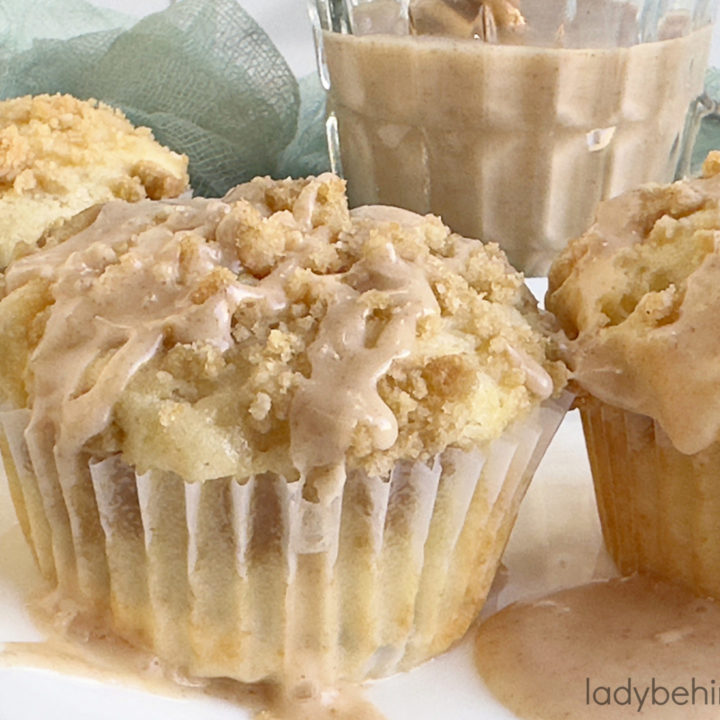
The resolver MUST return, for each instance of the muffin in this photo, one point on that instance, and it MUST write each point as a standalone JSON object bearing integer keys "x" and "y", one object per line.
{"x": 639, "y": 297}
{"x": 262, "y": 434}
{"x": 60, "y": 155}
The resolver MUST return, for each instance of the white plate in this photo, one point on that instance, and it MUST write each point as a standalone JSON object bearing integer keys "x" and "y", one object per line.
{"x": 556, "y": 543}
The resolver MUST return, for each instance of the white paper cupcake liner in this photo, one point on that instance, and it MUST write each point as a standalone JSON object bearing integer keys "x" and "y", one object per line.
{"x": 658, "y": 507}
{"x": 252, "y": 580}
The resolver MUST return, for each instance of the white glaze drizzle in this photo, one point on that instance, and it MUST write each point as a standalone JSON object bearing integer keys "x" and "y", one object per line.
{"x": 342, "y": 389}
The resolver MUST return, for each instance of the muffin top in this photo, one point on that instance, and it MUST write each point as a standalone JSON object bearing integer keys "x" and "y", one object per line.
{"x": 269, "y": 331}
{"x": 639, "y": 297}
{"x": 59, "y": 155}
{"x": 490, "y": 20}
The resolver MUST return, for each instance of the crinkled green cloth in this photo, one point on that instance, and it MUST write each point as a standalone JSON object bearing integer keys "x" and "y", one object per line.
{"x": 202, "y": 74}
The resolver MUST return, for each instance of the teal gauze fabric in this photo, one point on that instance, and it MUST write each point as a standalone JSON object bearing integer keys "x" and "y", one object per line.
{"x": 202, "y": 74}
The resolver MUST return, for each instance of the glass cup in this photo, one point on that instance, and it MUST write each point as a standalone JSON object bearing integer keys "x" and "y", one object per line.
{"x": 511, "y": 119}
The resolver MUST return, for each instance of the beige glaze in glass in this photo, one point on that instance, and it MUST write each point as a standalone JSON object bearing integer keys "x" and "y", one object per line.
{"x": 514, "y": 144}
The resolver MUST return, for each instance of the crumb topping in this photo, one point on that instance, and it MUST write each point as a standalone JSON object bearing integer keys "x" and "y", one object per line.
{"x": 59, "y": 155}
{"x": 488, "y": 20}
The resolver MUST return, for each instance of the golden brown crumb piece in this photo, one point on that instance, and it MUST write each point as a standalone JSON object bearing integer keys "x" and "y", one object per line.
{"x": 711, "y": 164}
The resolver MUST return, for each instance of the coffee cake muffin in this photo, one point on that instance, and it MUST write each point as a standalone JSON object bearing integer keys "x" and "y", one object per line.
{"x": 639, "y": 297}
{"x": 264, "y": 435}
{"x": 60, "y": 155}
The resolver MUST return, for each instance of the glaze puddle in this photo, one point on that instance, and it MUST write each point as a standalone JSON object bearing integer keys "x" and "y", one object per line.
{"x": 620, "y": 648}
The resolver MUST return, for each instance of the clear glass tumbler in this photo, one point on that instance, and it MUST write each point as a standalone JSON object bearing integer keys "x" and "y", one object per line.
{"x": 511, "y": 119}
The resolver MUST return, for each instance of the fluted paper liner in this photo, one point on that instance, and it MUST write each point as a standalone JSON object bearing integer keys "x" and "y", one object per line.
{"x": 251, "y": 580}
{"x": 658, "y": 507}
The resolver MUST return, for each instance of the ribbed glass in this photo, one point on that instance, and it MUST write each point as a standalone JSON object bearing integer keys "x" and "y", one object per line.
{"x": 511, "y": 135}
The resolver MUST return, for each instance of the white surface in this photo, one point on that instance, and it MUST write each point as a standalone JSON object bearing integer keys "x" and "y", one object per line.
{"x": 556, "y": 543}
